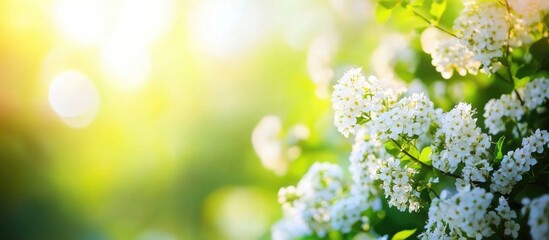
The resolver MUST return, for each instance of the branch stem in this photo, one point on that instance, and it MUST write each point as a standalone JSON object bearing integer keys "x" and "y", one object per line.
{"x": 424, "y": 164}
{"x": 430, "y": 22}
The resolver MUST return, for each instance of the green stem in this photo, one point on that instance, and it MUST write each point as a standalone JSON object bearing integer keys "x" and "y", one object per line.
{"x": 424, "y": 164}
{"x": 508, "y": 56}
{"x": 432, "y": 23}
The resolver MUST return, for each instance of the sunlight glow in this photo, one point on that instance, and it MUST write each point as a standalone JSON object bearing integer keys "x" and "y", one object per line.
{"x": 225, "y": 28}
{"x": 146, "y": 19}
{"x": 83, "y": 21}
{"x": 73, "y": 97}
{"x": 127, "y": 64}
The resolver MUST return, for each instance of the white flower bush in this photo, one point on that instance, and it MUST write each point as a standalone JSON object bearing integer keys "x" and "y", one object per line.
{"x": 468, "y": 176}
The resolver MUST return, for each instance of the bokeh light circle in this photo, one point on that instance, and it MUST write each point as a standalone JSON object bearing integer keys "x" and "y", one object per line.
{"x": 74, "y": 98}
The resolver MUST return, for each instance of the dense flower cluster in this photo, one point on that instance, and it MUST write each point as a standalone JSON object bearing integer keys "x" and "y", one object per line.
{"x": 398, "y": 184}
{"x": 409, "y": 117}
{"x": 464, "y": 215}
{"x": 356, "y": 97}
{"x": 483, "y": 29}
{"x": 498, "y": 111}
{"x": 508, "y": 107}
{"x": 509, "y": 217}
{"x": 526, "y": 16}
{"x": 403, "y": 144}
{"x": 319, "y": 203}
{"x": 448, "y": 54}
{"x": 515, "y": 163}
{"x": 536, "y": 92}
{"x": 460, "y": 143}
{"x": 366, "y": 158}
{"x": 529, "y": 10}
{"x": 349, "y": 101}
{"x": 538, "y": 218}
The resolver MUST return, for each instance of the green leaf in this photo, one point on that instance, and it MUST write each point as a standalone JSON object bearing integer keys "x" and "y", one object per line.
{"x": 499, "y": 147}
{"x": 403, "y": 234}
{"x": 388, "y": 4}
{"x": 382, "y": 13}
{"x": 392, "y": 148}
{"x": 526, "y": 70}
{"x": 424, "y": 156}
{"x": 437, "y": 9}
{"x": 539, "y": 51}
{"x": 417, "y": 3}
{"x": 412, "y": 150}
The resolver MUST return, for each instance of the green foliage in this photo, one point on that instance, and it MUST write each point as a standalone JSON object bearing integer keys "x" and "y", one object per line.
{"x": 437, "y": 9}
{"x": 424, "y": 156}
{"x": 382, "y": 12}
{"x": 499, "y": 147}
{"x": 392, "y": 148}
{"x": 404, "y": 234}
{"x": 388, "y": 4}
{"x": 539, "y": 51}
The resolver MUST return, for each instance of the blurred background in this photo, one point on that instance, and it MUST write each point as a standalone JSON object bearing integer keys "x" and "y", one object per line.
{"x": 181, "y": 119}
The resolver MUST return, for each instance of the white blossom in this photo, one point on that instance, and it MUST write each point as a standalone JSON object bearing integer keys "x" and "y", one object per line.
{"x": 465, "y": 215}
{"x": 519, "y": 161}
{"x": 498, "y": 111}
{"x": 458, "y": 142}
{"x": 356, "y": 96}
{"x": 311, "y": 200}
{"x": 366, "y": 158}
{"x": 483, "y": 30}
{"x": 399, "y": 185}
{"x": 509, "y": 216}
{"x": 538, "y": 218}
{"x": 409, "y": 117}
{"x": 448, "y": 54}
{"x": 536, "y": 92}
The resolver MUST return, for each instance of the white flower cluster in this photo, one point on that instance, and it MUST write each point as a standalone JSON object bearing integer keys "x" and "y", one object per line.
{"x": 366, "y": 158}
{"x": 309, "y": 203}
{"x": 509, "y": 108}
{"x": 460, "y": 143}
{"x": 319, "y": 204}
{"x": 509, "y": 216}
{"x": 526, "y": 16}
{"x": 536, "y": 92}
{"x": 448, "y": 54}
{"x": 531, "y": 11}
{"x": 465, "y": 215}
{"x": 497, "y": 111}
{"x": 517, "y": 162}
{"x": 409, "y": 117}
{"x": 356, "y": 97}
{"x": 483, "y": 29}
{"x": 538, "y": 218}
{"x": 347, "y": 210}
{"x": 399, "y": 185}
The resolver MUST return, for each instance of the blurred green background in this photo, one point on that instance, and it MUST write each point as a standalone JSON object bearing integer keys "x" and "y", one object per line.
{"x": 133, "y": 119}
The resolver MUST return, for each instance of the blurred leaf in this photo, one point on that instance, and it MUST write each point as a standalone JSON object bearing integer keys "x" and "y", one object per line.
{"x": 404, "y": 234}
{"x": 388, "y": 4}
{"x": 392, "y": 148}
{"x": 412, "y": 150}
{"x": 539, "y": 51}
{"x": 424, "y": 156}
{"x": 437, "y": 9}
{"x": 382, "y": 13}
{"x": 526, "y": 70}
{"x": 499, "y": 147}
{"x": 417, "y": 3}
